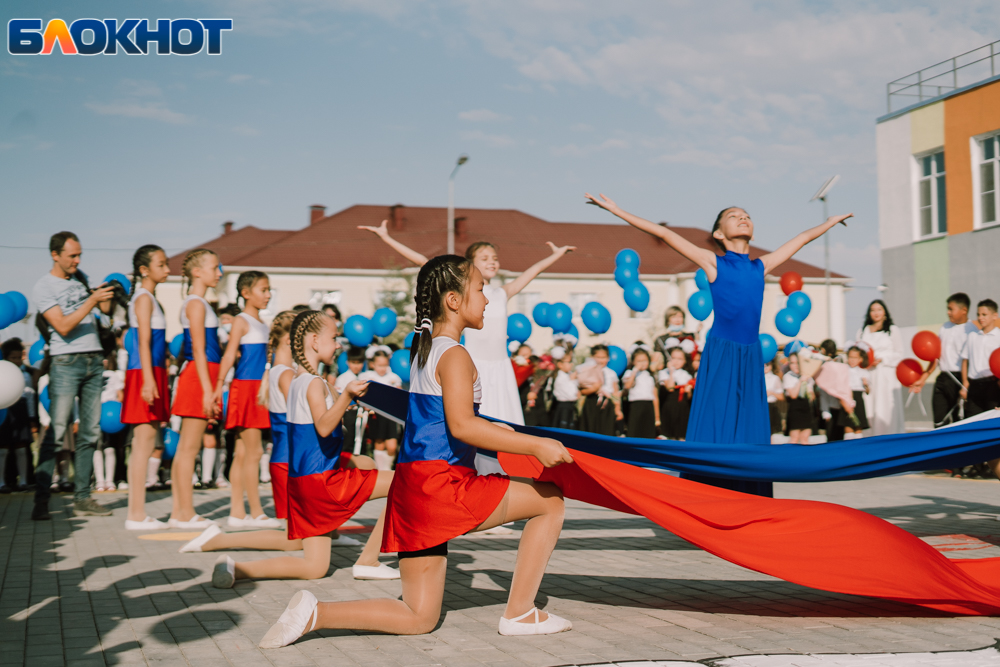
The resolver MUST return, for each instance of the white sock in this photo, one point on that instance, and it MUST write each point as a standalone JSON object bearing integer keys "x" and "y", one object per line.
{"x": 382, "y": 459}
{"x": 221, "y": 453}
{"x": 265, "y": 467}
{"x": 151, "y": 471}
{"x": 110, "y": 461}
{"x": 207, "y": 465}
{"x": 99, "y": 468}
{"x": 3, "y": 466}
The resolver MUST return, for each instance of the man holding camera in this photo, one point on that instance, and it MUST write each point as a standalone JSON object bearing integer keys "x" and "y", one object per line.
{"x": 66, "y": 304}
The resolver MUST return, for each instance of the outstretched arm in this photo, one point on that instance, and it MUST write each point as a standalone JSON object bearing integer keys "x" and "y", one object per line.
{"x": 382, "y": 231}
{"x": 772, "y": 260}
{"x": 700, "y": 256}
{"x": 519, "y": 283}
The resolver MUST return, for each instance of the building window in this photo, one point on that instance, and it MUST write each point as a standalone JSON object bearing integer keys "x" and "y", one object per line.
{"x": 932, "y": 201}
{"x": 989, "y": 179}
{"x": 577, "y": 300}
{"x": 526, "y": 302}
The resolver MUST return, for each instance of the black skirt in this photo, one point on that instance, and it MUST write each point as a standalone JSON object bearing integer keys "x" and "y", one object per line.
{"x": 844, "y": 419}
{"x": 674, "y": 415}
{"x": 381, "y": 428}
{"x": 564, "y": 414}
{"x": 598, "y": 419}
{"x": 775, "y": 415}
{"x": 799, "y": 414}
{"x": 641, "y": 420}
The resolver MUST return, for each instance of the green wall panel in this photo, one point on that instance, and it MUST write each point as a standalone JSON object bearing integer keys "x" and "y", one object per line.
{"x": 933, "y": 284}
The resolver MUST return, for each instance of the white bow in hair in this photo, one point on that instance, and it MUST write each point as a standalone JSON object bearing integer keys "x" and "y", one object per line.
{"x": 558, "y": 352}
{"x": 860, "y": 344}
{"x": 687, "y": 345}
{"x": 372, "y": 349}
{"x": 424, "y": 324}
{"x": 671, "y": 342}
{"x": 637, "y": 346}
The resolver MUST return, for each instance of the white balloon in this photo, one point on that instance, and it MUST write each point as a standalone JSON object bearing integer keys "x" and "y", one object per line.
{"x": 11, "y": 384}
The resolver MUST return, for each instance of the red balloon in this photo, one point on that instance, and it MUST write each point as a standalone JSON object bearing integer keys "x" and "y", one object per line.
{"x": 909, "y": 371}
{"x": 927, "y": 346}
{"x": 995, "y": 362}
{"x": 790, "y": 282}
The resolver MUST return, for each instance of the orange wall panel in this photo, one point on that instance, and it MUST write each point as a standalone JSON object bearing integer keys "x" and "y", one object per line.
{"x": 966, "y": 115}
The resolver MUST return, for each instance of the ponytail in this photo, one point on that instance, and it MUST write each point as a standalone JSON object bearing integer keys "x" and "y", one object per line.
{"x": 142, "y": 257}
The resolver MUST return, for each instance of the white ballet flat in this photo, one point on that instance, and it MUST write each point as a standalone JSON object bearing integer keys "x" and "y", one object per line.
{"x": 344, "y": 541}
{"x": 149, "y": 523}
{"x": 550, "y": 626}
{"x": 262, "y": 521}
{"x": 197, "y": 543}
{"x": 194, "y": 523}
{"x": 497, "y": 530}
{"x": 299, "y": 617}
{"x": 383, "y": 571}
{"x": 224, "y": 573}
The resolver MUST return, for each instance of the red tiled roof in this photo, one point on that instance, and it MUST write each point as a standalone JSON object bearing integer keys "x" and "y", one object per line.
{"x": 335, "y": 242}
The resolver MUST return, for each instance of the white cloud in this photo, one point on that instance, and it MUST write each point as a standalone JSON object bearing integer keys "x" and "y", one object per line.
{"x": 572, "y": 150}
{"x": 494, "y": 140}
{"x": 482, "y": 116}
{"x": 246, "y": 130}
{"x": 139, "y": 88}
{"x": 150, "y": 111}
{"x": 239, "y": 78}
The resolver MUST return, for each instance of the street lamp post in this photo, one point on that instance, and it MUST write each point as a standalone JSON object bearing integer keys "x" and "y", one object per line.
{"x": 821, "y": 195}
{"x": 462, "y": 159}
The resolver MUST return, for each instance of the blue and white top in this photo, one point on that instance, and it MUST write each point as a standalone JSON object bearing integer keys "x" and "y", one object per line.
{"x": 427, "y": 437}
{"x": 278, "y": 408}
{"x": 158, "y": 339}
{"x": 213, "y": 353}
{"x": 253, "y": 350}
{"x": 308, "y": 452}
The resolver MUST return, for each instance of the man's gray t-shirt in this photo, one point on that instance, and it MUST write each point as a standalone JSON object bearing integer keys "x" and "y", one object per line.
{"x": 69, "y": 294}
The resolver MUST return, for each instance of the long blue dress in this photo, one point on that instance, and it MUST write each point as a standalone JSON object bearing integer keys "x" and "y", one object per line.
{"x": 730, "y": 402}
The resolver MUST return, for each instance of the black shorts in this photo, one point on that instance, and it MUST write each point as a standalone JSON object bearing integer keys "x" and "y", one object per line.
{"x": 439, "y": 550}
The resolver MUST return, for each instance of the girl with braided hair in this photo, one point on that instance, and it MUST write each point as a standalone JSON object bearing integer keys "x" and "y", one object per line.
{"x": 436, "y": 494}
{"x": 248, "y": 338}
{"x": 147, "y": 393}
{"x": 194, "y": 399}
{"x": 326, "y": 486}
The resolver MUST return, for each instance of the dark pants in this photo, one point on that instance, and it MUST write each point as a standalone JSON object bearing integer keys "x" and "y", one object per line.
{"x": 984, "y": 394}
{"x": 71, "y": 376}
{"x": 945, "y": 397}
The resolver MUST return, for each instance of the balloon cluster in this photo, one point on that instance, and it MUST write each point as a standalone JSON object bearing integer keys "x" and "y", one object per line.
{"x": 927, "y": 346}
{"x": 797, "y": 308}
{"x": 360, "y": 330}
{"x": 558, "y": 316}
{"x": 700, "y": 303}
{"x": 13, "y": 308}
{"x": 627, "y": 277}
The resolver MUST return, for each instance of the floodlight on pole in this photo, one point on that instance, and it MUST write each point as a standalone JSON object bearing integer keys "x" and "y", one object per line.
{"x": 462, "y": 159}
{"x": 821, "y": 195}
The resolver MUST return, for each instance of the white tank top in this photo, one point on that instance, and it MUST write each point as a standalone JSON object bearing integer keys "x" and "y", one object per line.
{"x": 211, "y": 319}
{"x": 298, "y": 404}
{"x": 156, "y": 321}
{"x": 490, "y": 342}
{"x": 423, "y": 380}
{"x": 275, "y": 399}
{"x": 257, "y": 334}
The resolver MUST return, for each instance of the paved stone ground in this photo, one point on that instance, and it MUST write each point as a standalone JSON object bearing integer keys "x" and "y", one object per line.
{"x": 87, "y": 592}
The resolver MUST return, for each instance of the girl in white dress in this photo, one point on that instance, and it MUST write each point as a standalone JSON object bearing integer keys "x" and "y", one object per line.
{"x": 488, "y": 346}
{"x": 884, "y": 403}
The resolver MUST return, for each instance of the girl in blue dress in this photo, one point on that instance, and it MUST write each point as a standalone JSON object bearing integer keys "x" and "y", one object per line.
{"x": 730, "y": 405}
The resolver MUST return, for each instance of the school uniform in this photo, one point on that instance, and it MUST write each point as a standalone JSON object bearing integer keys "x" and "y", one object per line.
{"x": 675, "y": 405}
{"x": 641, "y": 416}
{"x": 948, "y": 385}
{"x": 277, "y": 408}
{"x": 243, "y": 411}
{"x": 799, "y": 411}
{"x": 984, "y": 387}
{"x": 188, "y": 392}
{"x": 382, "y": 428}
{"x": 565, "y": 393}
{"x": 856, "y": 378}
{"x": 134, "y": 409}
{"x": 322, "y": 492}
{"x": 772, "y": 383}
{"x": 598, "y": 414}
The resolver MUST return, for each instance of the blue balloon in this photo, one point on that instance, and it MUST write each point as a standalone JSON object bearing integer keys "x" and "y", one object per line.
{"x": 700, "y": 305}
{"x": 768, "y": 347}
{"x": 20, "y": 305}
{"x": 36, "y": 352}
{"x": 342, "y": 362}
{"x": 123, "y": 280}
{"x": 788, "y": 322}
{"x": 177, "y": 346}
{"x": 627, "y": 257}
{"x": 43, "y": 398}
{"x": 400, "y": 364}
{"x": 7, "y": 311}
{"x": 625, "y": 275}
{"x": 800, "y": 304}
{"x": 793, "y": 346}
{"x": 358, "y": 330}
{"x": 461, "y": 341}
{"x": 111, "y": 417}
{"x": 560, "y": 317}
{"x": 637, "y": 296}
{"x": 701, "y": 279}
{"x": 617, "y": 359}
{"x": 170, "y": 440}
{"x": 518, "y": 327}
{"x": 596, "y": 317}
{"x": 574, "y": 332}
{"x": 225, "y": 405}
{"x": 384, "y": 321}
{"x": 540, "y": 313}
{"x": 3, "y": 415}
{"x": 408, "y": 342}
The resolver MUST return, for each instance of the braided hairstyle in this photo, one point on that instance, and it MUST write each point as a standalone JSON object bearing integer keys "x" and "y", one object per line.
{"x": 280, "y": 325}
{"x": 191, "y": 260}
{"x": 247, "y": 280}
{"x": 305, "y": 322}
{"x": 443, "y": 274}
{"x": 142, "y": 257}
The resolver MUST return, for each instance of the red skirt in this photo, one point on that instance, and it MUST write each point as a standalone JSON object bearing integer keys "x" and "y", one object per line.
{"x": 431, "y": 502}
{"x": 320, "y": 504}
{"x": 279, "y": 488}
{"x": 137, "y": 411}
{"x": 188, "y": 392}
{"x": 243, "y": 410}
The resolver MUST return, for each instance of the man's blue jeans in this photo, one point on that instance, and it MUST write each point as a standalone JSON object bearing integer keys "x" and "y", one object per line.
{"x": 71, "y": 376}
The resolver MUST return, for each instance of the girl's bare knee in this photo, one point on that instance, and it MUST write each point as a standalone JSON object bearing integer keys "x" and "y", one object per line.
{"x": 425, "y": 623}
{"x": 315, "y": 571}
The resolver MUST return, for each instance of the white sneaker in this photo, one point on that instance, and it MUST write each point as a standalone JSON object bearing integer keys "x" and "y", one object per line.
{"x": 194, "y": 523}
{"x": 345, "y": 541}
{"x": 197, "y": 543}
{"x": 299, "y": 617}
{"x": 123, "y": 486}
{"x": 149, "y": 523}
{"x": 262, "y": 521}
{"x": 224, "y": 573}
{"x": 383, "y": 571}
{"x": 222, "y": 483}
{"x": 497, "y": 530}
{"x": 550, "y": 626}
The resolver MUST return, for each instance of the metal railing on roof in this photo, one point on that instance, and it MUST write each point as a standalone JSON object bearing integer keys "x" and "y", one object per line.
{"x": 946, "y": 76}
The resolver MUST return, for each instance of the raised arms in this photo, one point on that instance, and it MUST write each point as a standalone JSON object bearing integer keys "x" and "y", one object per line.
{"x": 382, "y": 231}
{"x": 515, "y": 286}
{"x": 775, "y": 259}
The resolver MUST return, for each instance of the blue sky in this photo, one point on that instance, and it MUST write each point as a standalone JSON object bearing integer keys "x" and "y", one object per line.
{"x": 672, "y": 109}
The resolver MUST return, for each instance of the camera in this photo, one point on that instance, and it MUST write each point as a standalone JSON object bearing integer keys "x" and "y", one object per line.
{"x": 119, "y": 295}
